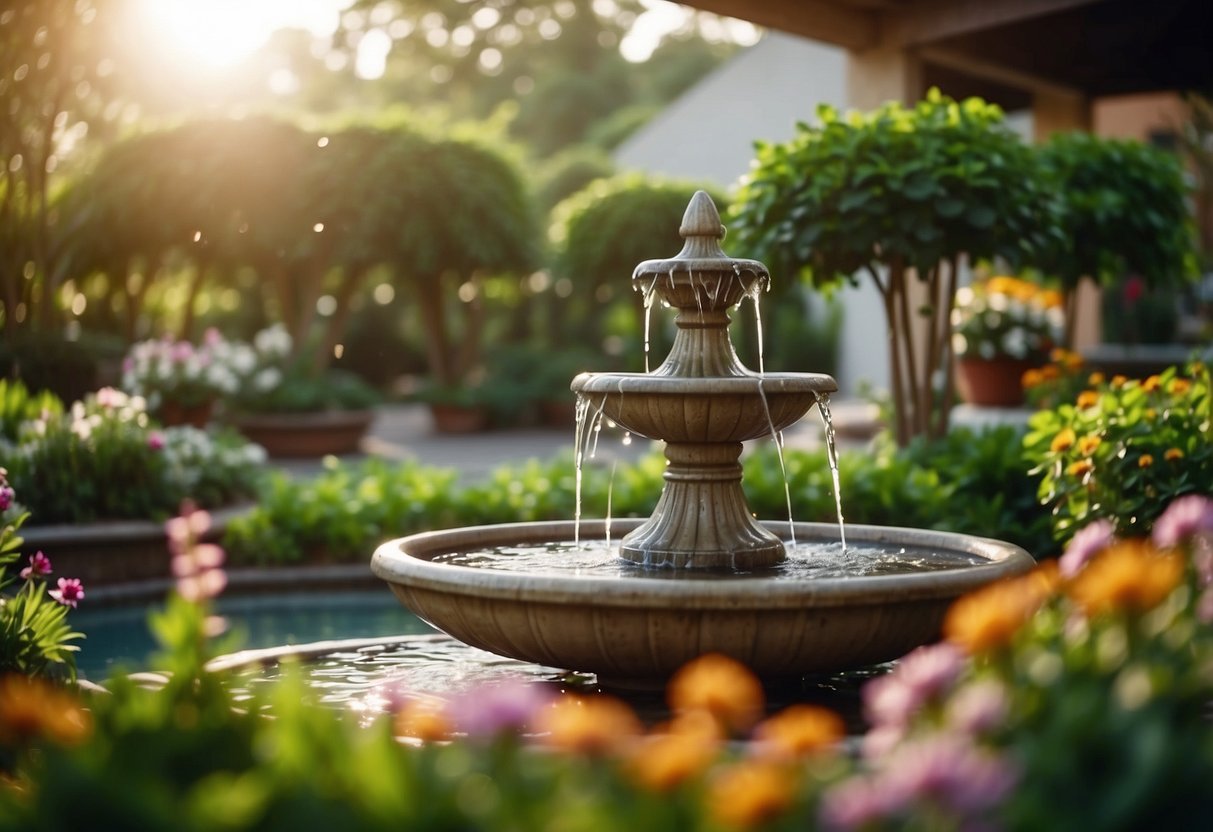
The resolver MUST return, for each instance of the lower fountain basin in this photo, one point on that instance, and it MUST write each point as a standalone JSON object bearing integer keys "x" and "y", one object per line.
{"x": 636, "y": 630}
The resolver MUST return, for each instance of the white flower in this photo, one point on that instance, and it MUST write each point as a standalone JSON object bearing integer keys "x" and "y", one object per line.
{"x": 267, "y": 379}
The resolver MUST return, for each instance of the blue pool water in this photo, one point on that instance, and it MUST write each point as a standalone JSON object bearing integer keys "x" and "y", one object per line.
{"x": 118, "y": 636}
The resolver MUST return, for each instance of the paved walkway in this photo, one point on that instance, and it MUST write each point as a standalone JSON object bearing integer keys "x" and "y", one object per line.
{"x": 405, "y": 432}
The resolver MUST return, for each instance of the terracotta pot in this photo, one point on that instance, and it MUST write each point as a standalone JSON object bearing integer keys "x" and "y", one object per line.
{"x": 306, "y": 434}
{"x": 174, "y": 413}
{"x": 458, "y": 418}
{"x": 995, "y": 382}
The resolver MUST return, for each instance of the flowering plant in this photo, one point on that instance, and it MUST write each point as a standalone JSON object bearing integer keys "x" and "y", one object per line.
{"x": 1122, "y": 449}
{"x": 105, "y": 459}
{"x": 168, "y": 370}
{"x": 35, "y": 638}
{"x": 1006, "y": 317}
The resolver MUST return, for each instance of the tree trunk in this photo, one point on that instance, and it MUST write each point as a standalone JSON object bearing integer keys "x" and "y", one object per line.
{"x": 191, "y": 297}
{"x": 433, "y": 323}
{"x": 352, "y": 281}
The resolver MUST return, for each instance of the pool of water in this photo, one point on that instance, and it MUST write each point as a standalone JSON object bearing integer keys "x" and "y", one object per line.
{"x": 118, "y": 636}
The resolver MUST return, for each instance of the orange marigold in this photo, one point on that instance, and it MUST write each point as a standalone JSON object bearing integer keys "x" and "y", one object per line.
{"x": 32, "y": 709}
{"x": 1080, "y": 468}
{"x": 1173, "y": 455}
{"x": 1145, "y": 461}
{"x": 665, "y": 761}
{"x": 1087, "y": 398}
{"x": 1089, "y": 444}
{"x": 1119, "y": 381}
{"x": 987, "y": 618}
{"x": 1031, "y": 378}
{"x": 722, "y": 686}
{"x": 594, "y": 725}
{"x": 421, "y": 720}
{"x": 1151, "y": 384}
{"x": 751, "y": 793}
{"x": 1050, "y": 372}
{"x": 1095, "y": 379}
{"x": 1063, "y": 441}
{"x": 797, "y": 732}
{"x": 1179, "y": 386}
{"x": 1130, "y": 575}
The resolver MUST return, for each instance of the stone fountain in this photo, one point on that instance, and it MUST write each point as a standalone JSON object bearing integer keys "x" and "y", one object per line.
{"x": 701, "y": 574}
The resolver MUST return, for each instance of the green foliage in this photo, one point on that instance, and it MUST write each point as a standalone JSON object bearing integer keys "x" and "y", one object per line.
{"x": 47, "y": 361}
{"x": 106, "y": 460}
{"x": 19, "y": 405}
{"x": 915, "y": 185}
{"x": 570, "y": 171}
{"x": 1124, "y": 210}
{"x": 1124, "y": 449}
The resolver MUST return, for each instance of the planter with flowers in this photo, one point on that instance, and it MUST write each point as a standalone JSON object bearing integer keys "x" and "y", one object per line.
{"x": 292, "y": 410}
{"x": 181, "y": 382}
{"x": 1002, "y": 327}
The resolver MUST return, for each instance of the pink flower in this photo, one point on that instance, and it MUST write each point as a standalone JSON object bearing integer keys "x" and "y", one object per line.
{"x": 503, "y": 708}
{"x": 978, "y": 707}
{"x": 39, "y": 565}
{"x": 108, "y": 397}
{"x": 947, "y": 771}
{"x": 1087, "y": 543}
{"x": 1184, "y": 518}
{"x": 155, "y": 440}
{"x": 918, "y": 677}
{"x": 70, "y": 592}
{"x": 855, "y": 804}
{"x": 212, "y": 336}
{"x": 187, "y": 529}
{"x": 196, "y": 565}
{"x": 7, "y": 495}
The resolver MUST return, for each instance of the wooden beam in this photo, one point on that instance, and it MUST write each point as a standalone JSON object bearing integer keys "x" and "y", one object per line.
{"x": 923, "y": 23}
{"x": 837, "y": 23}
{"x": 978, "y": 68}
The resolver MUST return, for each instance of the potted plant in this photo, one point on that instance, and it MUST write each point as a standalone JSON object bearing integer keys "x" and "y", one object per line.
{"x": 180, "y": 382}
{"x": 1001, "y": 328}
{"x": 290, "y": 408}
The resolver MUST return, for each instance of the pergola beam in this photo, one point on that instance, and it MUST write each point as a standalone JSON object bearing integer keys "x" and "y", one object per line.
{"x": 836, "y": 23}
{"x": 998, "y": 73}
{"x": 923, "y": 23}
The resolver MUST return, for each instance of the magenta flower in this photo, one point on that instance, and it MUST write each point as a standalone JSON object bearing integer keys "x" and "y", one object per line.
{"x": 1087, "y": 543}
{"x": 918, "y": 677}
{"x": 155, "y": 440}
{"x": 7, "y": 495}
{"x": 855, "y": 804}
{"x": 196, "y": 565}
{"x": 947, "y": 771}
{"x": 39, "y": 565}
{"x": 502, "y": 708}
{"x": 69, "y": 593}
{"x": 1184, "y": 518}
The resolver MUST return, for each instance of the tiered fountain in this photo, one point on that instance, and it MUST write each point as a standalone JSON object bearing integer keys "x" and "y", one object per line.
{"x": 530, "y": 590}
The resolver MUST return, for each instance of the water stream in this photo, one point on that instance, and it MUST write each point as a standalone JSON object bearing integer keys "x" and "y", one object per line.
{"x": 823, "y": 407}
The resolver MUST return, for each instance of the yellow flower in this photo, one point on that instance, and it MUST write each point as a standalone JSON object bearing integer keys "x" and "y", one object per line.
{"x": 1179, "y": 386}
{"x": 1151, "y": 413}
{"x": 1031, "y": 378}
{"x": 1051, "y": 298}
{"x": 797, "y": 732}
{"x": 1095, "y": 379}
{"x": 1087, "y": 398}
{"x": 722, "y": 686}
{"x": 750, "y": 793}
{"x": 1173, "y": 455}
{"x": 1145, "y": 461}
{"x": 1063, "y": 441}
{"x": 1080, "y": 468}
{"x": 595, "y": 725}
{"x": 1088, "y": 445}
{"x": 1129, "y": 575}
{"x": 1003, "y": 285}
{"x": 1151, "y": 384}
{"x": 1119, "y": 381}
{"x": 989, "y": 617}
{"x": 665, "y": 761}
{"x": 31, "y": 709}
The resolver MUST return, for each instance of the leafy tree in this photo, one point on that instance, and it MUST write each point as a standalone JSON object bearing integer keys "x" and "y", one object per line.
{"x": 898, "y": 194}
{"x": 1124, "y": 210}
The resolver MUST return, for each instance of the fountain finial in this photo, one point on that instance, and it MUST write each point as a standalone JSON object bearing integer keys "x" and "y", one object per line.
{"x": 701, "y": 218}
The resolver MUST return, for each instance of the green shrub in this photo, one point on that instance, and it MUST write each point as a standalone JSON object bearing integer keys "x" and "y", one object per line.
{"x": 1123, "y": 449}
{"x": 18, "y": 405}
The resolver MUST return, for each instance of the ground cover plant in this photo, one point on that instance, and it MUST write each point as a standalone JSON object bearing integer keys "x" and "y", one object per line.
{"x": 1072, "y": 696}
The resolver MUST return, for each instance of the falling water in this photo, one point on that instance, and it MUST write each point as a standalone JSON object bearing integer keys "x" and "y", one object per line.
{"x": 650, "y": 295}
{"x": 777, "y": 436}
{"x": 585, "y": 439}
{"x": 823, "y": 407}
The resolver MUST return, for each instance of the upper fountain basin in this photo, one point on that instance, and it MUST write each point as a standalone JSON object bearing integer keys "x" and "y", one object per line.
{"x": 725, "y": 409}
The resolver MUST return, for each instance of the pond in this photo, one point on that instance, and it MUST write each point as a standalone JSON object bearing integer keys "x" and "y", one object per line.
{"x": 118, "y": 636}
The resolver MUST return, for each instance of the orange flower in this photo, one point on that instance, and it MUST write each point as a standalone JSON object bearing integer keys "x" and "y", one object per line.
{"x": 1087, "y": 398}
{"x": 750, "y": 793}
{"x": 1119, "y": 381}
{"x": 1151, "y": 384}
{"x": 1173, "y": 455}
{"x": 797, "y": 732}
{"x": 1080, "y": 468}
{"x": 1031, "y": 378}
{"x": 1088, "y": 445}
{"x": 1179, "y": 386}
{"x": 595, "y": 725}
{"x": 987, "y": 618}
{"x": 1063, "y": 441}
{"x": 1050, "y": 372}
{"x": 1145, "y": 461}
{"x": 1051, "y": 298}
{"x": 1095, "y": 379}
{"x": 665, "y": 761}
{"x": 1128, "y": 575}
{"x": 31, "y": 709}
{"x": 722, "y": 686}
{"x": 421, "y": 720}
